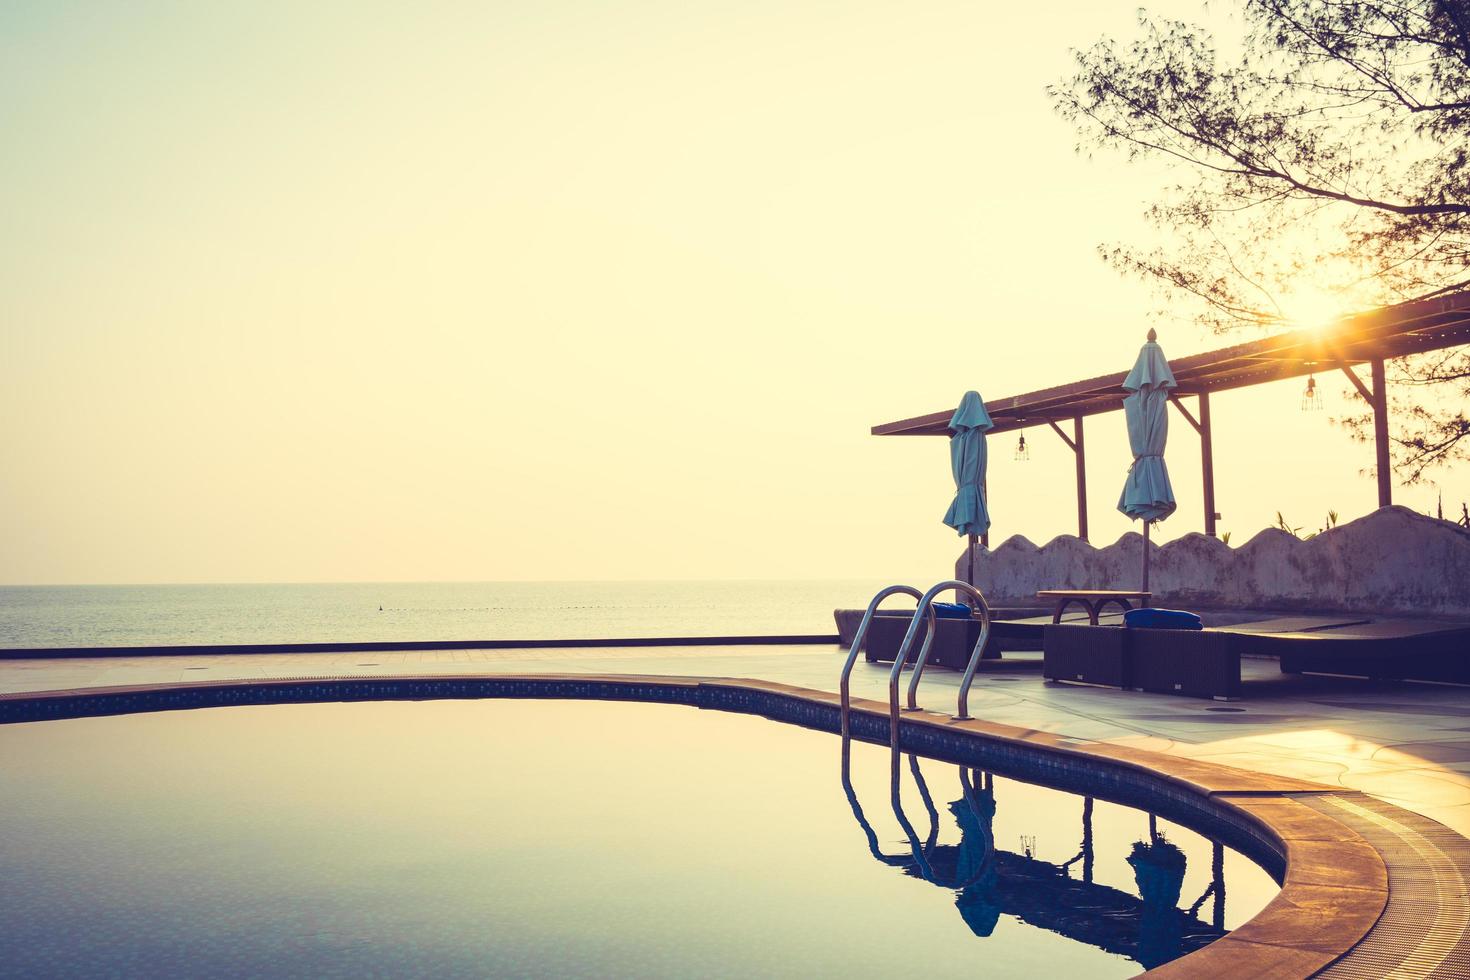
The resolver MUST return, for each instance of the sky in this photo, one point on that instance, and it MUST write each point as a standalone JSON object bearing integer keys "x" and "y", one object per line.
{"x": 571, "y": 290}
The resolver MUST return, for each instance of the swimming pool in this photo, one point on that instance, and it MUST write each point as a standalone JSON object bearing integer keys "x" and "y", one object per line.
{"x": 568, "y": 838}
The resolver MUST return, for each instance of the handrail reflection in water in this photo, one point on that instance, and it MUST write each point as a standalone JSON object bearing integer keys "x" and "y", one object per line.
{"x": 933, "y": 837}
{"x": 921, "y": 859}
{"x": 916, "y": 862}
{"x": 1150, "y": 927}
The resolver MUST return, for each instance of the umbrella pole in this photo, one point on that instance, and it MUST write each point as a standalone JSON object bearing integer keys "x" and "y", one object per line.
{"x": 971, "y": 579}
{"x": 1146, "y": 523}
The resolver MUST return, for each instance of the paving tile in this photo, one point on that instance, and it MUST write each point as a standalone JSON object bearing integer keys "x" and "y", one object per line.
{"x": 1434, "y": 788}
{"x": 1315, "y": 917}
{"x": 1293, "y": 820}
{"x": 1149, "y": 743}
{"x": 1457, "y": 818}
{"x": 1313, "y": 769}
{"x": 1448, "y": 709}
{"x": 1239, "y": 959}
{"x": 1348, "y": 864}
{"x": 1417, "y": 753}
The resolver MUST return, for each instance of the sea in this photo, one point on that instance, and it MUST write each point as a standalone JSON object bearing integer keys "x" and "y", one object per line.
{"x": 167, "y": 615}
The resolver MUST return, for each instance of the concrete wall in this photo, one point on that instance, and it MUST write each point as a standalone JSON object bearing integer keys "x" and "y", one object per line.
{"x": 1392, "y": 561}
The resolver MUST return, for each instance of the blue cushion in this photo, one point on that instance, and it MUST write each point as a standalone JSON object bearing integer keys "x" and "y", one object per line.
{"x": 951, "y": 610}
{"x": 1161, "y": 619}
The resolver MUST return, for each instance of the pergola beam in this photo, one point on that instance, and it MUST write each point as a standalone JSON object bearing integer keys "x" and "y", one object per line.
{"x": 1185, "y": 412}
{"x": 1409, "y": 328}
{"x": 1358, "y": 384}
{"x": 1058, "y": 430}
{"x": 1369, "y": 338}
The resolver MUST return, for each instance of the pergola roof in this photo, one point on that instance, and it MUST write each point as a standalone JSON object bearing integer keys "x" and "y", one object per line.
{"x": 1393, "y": 331}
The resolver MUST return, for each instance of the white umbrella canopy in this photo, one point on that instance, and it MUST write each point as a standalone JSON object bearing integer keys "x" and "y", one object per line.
{"x": 1147, "y": 494}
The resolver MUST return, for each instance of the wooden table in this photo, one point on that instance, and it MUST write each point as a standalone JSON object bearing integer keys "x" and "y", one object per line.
{"x": 1092, "y": 600}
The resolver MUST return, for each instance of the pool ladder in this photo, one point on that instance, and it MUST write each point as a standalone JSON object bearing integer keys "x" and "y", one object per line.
{"x": 923, "y": 609}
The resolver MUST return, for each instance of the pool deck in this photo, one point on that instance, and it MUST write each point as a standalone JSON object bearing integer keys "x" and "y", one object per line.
{"x": 1405, "y": 743}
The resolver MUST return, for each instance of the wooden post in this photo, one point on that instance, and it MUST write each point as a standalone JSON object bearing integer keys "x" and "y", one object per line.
{"x": 985, "y": 492}
{"x": 1207, "y": 461}
{"x": 1146, "y": 523}
{"x": 1201, "y": 425}
{"x": 1079, "y": 453}
{"x": 1079, "y": 450}
{"x": 1380, "y": 433}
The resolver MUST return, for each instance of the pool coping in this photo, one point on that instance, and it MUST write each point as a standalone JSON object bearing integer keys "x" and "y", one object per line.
{"x": 1334, "y": 889}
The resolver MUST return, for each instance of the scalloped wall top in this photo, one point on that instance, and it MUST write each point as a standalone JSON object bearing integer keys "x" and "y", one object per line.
{"x": 1394, "y": 560}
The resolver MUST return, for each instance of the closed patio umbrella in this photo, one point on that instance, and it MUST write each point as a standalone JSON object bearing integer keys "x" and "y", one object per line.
{"x": 1147, "y": 495}
{"x": 967, "y": 513}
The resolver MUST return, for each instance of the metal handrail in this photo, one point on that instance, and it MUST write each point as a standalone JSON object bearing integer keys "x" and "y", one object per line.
{"x": 926, "y": 603}
{"x": 962, "y": 707}
{"x": 862, "y": 634}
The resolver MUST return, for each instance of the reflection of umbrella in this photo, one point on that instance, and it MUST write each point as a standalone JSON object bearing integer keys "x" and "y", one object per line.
{"x": 975, "y": 872}
{"x": 1147, "y": 493}
{"x": 1158, "y": 868}
{"x": 967, "y": 513}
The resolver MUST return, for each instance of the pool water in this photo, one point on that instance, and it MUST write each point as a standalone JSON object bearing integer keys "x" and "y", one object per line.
{"x": 565, "y": 838}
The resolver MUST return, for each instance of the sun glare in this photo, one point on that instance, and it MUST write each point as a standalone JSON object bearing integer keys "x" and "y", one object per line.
{"x": 1314, "y": 311}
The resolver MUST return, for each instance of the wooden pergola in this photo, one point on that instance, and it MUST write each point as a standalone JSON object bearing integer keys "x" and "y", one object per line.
{"x": 1366, "y": 338}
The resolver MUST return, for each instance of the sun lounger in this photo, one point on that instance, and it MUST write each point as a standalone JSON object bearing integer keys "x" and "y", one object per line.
{"x": 1090, "y": 654}
{"x": 1193, "y": 663}
{"x": 953, "y": 643}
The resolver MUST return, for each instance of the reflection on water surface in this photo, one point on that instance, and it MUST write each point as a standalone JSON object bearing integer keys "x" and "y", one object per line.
{"x": 1147, "y": 925}
{"x": 473, "y": 838}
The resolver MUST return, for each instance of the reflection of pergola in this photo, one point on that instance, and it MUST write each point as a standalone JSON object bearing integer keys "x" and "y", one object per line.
{"x": 1368, "y": 338}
